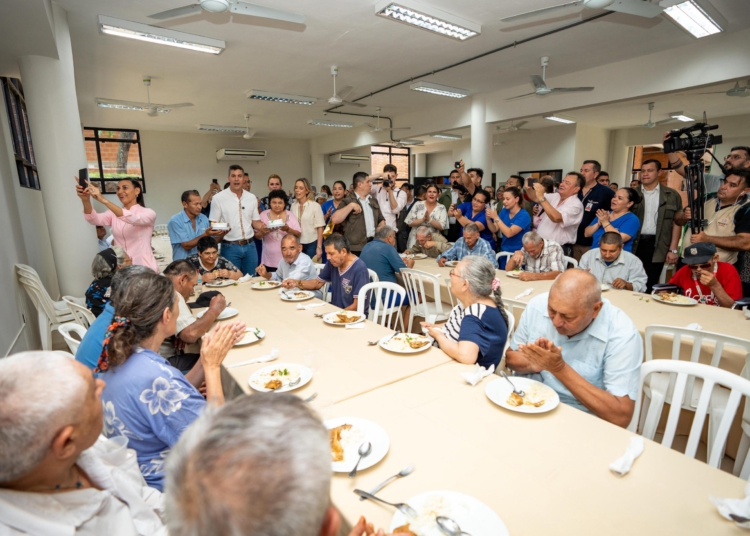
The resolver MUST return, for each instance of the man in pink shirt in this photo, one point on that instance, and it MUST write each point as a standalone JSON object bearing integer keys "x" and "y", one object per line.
{"x": 560, "y": 212}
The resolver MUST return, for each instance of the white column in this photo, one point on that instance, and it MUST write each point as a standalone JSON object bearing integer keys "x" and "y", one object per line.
{"x": 318, "y": 162}
{"x": 420, "y": 165}
{"x": 50, "y": 93}
{"x": 481, "y": 138}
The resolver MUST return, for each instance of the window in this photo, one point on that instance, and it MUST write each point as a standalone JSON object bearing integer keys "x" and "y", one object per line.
{"x": 20, "y": 133}
{"x": 112, "y": 155}
{"x": 398, "y": 156}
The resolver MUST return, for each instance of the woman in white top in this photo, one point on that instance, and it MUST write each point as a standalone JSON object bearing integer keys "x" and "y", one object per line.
{"x": 310, "y": 218}
{"x": 428, "y": 212}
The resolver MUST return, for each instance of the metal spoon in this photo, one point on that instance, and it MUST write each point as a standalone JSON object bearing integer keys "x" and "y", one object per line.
{"x": 319, "y": 315}
{"x": 291, "y": 384}
{"x": 449, "y": 527}
{"x": 406, "y": 471}
{"x": 364, "y": 450}
{"x": 404, "y": 508}
{"x": 311, "y": 397}
{"x": 519, "y": 393}
{"x": 372, "y": 343}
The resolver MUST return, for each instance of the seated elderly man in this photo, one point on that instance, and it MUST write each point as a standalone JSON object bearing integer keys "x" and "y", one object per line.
{"x": 429, "y": 243}
{"x": 583, "y": 347}
{"x": 705, "y": 278}
{"x": 381, "y": 256}
{"x": 278, "y": 475}
{"x": 210, "y": 264}
{"x": 611, "y": 265}
{"x": 540, "y": 258}
{"x": 294, "y": 264}
{"x": 469, "y": 244}
{"x": 57, "y": 476}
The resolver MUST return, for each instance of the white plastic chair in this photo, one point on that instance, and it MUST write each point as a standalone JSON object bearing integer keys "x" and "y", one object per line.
{"x": 514, "y": 306}
{"x": 161, "y": 228}
{"x": 511, "y": 326}
{"x": 66, "y": 330}
{"x": 50, "y": 314}
{"x": 326, "y": 287}
{"x": 415, "y": 282}
{"x": 679, "y": 374}
{"x": 80, "y": 312}
{"x": 378, "y": 294}
{"x": 450, "y": 294}
{"x": 506, "y": 254}
{"x": 570, "y": 260}
{"x": 373, "y": 276}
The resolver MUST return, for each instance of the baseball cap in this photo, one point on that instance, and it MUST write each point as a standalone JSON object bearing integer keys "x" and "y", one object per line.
{"x": 699, "y": 253}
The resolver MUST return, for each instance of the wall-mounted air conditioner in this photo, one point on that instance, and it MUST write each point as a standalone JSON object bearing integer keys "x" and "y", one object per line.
{"x": 240, "y": 154}
{"x": 348, "y": 158}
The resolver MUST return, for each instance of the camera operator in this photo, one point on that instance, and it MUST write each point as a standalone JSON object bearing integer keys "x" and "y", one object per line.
{"x": 391, "y": 199}
{"x": 471, "y": 179}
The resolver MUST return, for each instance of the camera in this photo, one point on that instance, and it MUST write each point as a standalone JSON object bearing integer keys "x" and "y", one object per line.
{"x": 387, "y": 183}
{"x": 457, "y": 164}
{"x": 693, "y": 139}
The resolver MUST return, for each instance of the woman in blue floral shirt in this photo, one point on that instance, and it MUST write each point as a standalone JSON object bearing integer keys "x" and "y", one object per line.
{"x": 147, "y": 400}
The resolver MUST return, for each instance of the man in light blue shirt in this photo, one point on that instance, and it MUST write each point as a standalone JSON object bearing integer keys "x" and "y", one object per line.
{"x": 613, "y": 266}
{"x": 293, "y": 265}
{"x": 469, "y": 244}
{"x": 188, "y": 226}
{"x": 583, "y": 347}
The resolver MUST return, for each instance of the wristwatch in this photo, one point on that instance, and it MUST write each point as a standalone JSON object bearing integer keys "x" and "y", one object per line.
{"x": 673, "y": 251}
{"x": 543, "y": 199}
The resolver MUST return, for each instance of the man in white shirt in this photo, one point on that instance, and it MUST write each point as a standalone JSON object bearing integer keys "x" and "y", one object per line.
{"x": 57, "y": 476}
{"x": 611, "y": 265}
{"x": 391, "y": 199}
{"x": 238, "y": 208}
{"x": 293, "y": 265}
{"x": 562, "y": 211}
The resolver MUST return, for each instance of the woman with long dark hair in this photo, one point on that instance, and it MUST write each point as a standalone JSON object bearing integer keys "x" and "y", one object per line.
{"x": 620, "y": 219}
{"x": 512, "y": 222}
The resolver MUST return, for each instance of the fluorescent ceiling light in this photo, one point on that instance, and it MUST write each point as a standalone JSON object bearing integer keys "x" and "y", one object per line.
{"x": 160, "y": 36}
{"x": 102, "y": 104}
{"x": 447, "y": 136}
{"x": 680, "y": 117}
{"x": 559, "y": 119}
{"x": 280, "y": 97}
{"x": 324, "y": 123}
{"x": 437, "y": 89}
{"x": 219, "y": 128}
{"x": 428, "y": 18}
{"x": 693, "y": 18}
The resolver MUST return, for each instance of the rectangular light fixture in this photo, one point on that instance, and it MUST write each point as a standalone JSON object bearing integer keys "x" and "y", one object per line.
{"x": 219, "y": 128}
{"x": 693, "y": 19}
{"x": 559, "y": 119}
{"x": 681, "y": 117}
{"x": 437, "y": 89}
{"x": 428, "y": 18}
{"x": 324, "y": 123}
{"x": 101, "y": 103}
{"x": 159, "y": 36}
{"x": 280, "y": 97}
{"x": 447, "y": 136}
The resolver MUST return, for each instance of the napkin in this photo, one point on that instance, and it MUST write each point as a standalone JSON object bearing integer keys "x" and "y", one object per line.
{"x": 361, "y": 325}
{"x": 262, "y": 359}
{"x": 477, "y": 373}
{"x": 524, "y": 293}
{"x": 245, "y": 278}
{"x": 738, "y": 507}
{"x": 311, "y": 306}
{"x": 694, "y": 326}
{"x": 621, "y": 466}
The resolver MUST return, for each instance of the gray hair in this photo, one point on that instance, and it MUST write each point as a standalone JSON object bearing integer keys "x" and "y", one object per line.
{"x": 242, "y": 468}
{"x": 532, "y": 237}
{"x": 180, "y": 267}
{"x": 471, "y": 228}
{"x": 479, "y": 273}
{"x": 611, "y": 238}
{"x": 290, "y": 236}
{"x": 423, "y": 230}
{"x": 125, "y": 273}
{"x": 35, "y": 407}
{"x": 384, "y": 232}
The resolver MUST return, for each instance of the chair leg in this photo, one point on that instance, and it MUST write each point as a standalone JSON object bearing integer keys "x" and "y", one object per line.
{"x": 741, "y": 465}
{"x": 654, "y": 413}
{"x": 411, "y": 319}
{"x": 45, "y": 331}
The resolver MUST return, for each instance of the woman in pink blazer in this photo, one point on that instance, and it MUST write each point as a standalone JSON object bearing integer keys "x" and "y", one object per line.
{"x": 132, "y": 224}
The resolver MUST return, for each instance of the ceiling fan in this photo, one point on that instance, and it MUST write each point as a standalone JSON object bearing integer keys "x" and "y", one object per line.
{"x": 736, "y": 91}
{"x": 541, "y": 87}
{"x": 640, "y": 8}
{"x": 151, "y": 108}
{"x": 235, "y": 6}
{"x": 378, "y": 128}
{"x": 339, "y": 97}
{"x": 248, "y": 135}
{"x": 404, "y": 143}
{"x": 652, "y": 124}
{"x": 515, "y": 128}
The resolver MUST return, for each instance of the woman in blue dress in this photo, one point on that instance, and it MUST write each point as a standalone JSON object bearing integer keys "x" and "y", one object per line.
{"x": 475, "y": 211}
{"x": 620, "y": 219}
{"x": 511, "y": 224}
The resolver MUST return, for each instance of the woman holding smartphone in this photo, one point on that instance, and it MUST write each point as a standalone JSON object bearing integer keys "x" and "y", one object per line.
{"x": 132, "y": 224}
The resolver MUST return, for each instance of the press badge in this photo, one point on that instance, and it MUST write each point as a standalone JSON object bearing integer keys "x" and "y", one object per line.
{"x": 589, "y": 206}
{"x": 723, "y": 222}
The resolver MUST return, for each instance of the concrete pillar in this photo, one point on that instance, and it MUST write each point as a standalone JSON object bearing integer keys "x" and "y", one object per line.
{"x": 50, "y": 92}
{"x": 420, "y": 165}
{"x": 481, "y": 138}
{"x": 318, "y": 162}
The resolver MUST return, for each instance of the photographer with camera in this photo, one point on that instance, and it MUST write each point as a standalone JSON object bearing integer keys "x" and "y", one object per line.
{"x": 391, "y": 199}
{"x": 471, "y": 178}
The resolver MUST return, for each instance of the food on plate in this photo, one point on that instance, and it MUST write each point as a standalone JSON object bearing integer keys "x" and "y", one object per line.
{"x": 403, "y": 529}
{"x": 343, "y": 318}
{"x": 515, "y": 400}
{"x": 268, "y": 283}
{"x": 451, "y": 263}
{"x": 337, "y": 450}
{"x": 673, "y": 297}
{"x": 535, "y": 396}
{"x": 273, "y": 384}
{"x": 276, "y": 378}
{"x": 406, "y": 341}
{"x": 300, "y": 294}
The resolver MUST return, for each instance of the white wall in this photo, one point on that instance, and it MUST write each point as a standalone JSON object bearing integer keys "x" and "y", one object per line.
{"x": 592, "y": 143}
{"x": 345, "y": 172}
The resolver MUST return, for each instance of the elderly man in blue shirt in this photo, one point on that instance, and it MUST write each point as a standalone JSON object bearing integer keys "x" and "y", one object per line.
{"x": 294, "y": 265}
{"x": 188, "y": 226}
{"x": 469, "y": 244}
{"x": 583, "y": 347}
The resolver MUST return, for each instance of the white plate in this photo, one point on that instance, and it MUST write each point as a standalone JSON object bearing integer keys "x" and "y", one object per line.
{"x": 605, "y": 287}
{"x": 220, "y": 226}
{"x": 410, "y": 350}
{"x": 265, "y": 285}
{"x": 499, "y": 390}
{"x": 328, "y": 319}
{"x": 221, "y": 283}
{"x": 692, "y": 302}
{"x": 472, "y": 515}
{"x": 159, "y": 257}
{"x": 229, "y": 312}
{"x": 251, "y": 335}
{"x": 305, "y": 372}
{"x": 374, "y": 433}
{"x": 452, "y": 264}
{"x": 514, "y": 273}
{"x": 292, "y": 295}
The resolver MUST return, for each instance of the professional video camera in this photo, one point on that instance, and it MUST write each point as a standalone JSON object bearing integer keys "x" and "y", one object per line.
{"x": 694, "y": 141}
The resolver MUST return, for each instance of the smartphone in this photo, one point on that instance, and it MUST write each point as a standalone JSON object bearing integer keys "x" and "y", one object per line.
{"x": 532, "y": 182}
{"x": 216, "y": 181}
{"x": 83, "y": 178}
{"x": 458, "y": 165}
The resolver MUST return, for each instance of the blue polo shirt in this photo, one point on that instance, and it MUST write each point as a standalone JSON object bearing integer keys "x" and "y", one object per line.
{"x": 345, "y": 285}
{"x": 383, "y": 259}
{"x": 91, "y": 346}
{"x": 181, "y": 230}
{"x": 466, "y": 210}
{"x": 628, "y": 223}
{"x": 599, "y": 197}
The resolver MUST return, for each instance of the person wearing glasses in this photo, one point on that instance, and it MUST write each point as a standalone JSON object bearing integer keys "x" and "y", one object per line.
{"x": 210, "y": 264}
{"x": 474, "y": 211}
{"x": 738, "y": 159}
{"x": 705, "y": 278}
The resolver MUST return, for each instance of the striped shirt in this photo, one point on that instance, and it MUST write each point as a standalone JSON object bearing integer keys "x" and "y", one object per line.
{"x": 550, "y": 259}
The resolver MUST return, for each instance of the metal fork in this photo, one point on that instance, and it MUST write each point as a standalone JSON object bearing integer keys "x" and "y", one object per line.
{"x": 404, "y": 508}
{"x": 372, "y": 343}
{"x": 318, "y": 315}
{"x": 519, "y": 393}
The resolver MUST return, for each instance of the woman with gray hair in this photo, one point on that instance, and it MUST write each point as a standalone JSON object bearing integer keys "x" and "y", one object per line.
{"x": 477, "y": 332}
{"x": 103, "y": 268}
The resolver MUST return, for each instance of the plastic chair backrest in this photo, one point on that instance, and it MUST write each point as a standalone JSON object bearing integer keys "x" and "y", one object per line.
{"x": 40, "y": 297}
{"x": 379, "y": 294}
{"x": 415, "y": 282}
{"x": 503, "y": 254}
{"x": 66, "y": 330}
{"x": 80, "y": 312}
{"x": 326, "y": 287}
{"x": 373, "y": 276}
{"x": 570, "y": 260}
{"x": 450, "y": 294}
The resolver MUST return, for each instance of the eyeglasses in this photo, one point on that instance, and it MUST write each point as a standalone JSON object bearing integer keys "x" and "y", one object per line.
{"x": 704, "y": 266}
{"x": 453, "y": 272}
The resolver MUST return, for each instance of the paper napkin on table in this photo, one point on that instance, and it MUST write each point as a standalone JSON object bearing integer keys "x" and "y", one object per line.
{"x": 262, "y": 359}
{"x": 621, "y": 466}
{"x": 477, "y": 373}
{"x": 311, "y": 306}
{"x": 694, "y": 326}
{"x": 244, "y": 278}
{"x": 524, "y": 293}
{"x": 738, "y": 507}
{"x": 361, "y": 325}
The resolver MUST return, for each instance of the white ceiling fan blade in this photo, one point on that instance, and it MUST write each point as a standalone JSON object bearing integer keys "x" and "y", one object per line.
{"x": 664, "y": 121}
{"x": 538, "y": 81}
{"x": 542, "y": 11}
{"x": 179, "y": 105}
{"x": 522, "y": 123}
{"x": 245, "y": 8}
{"x": 571, "y": 89}
{"x": 344, "y": 92}
{"x": 370, "y": 125}
{"x": 177, "y": 12}
{"x": 638, "y": 8}
{"x": 357, "y": 104}
{"x": 520, "y": 96}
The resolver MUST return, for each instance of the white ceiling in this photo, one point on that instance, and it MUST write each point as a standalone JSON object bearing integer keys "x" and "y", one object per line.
{"x": 371, "y": 53}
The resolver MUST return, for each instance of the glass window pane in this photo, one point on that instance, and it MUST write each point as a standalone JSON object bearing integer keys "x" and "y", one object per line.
{"x": 110, "y": 187}
{"x": 120, "y": 159}
{"x": 88, "y": 133}
{"x": 378, "y": 161}
{"x": 402, "y": 163}
{"x": 35, "y": 175}
{"x": 22, "y": 173}
{"x": 399, "y": 150}
{"x": 27, "y": 138}
{"x": 16, "y": 126}
{"x": 118, "y": 134}
{"x": 91, "y": 159}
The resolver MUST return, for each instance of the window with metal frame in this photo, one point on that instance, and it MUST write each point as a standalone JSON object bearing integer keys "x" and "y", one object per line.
{"x": 398, "y": 156}
{"x": 20, "y": 133}
{"x": 113, "y": 154}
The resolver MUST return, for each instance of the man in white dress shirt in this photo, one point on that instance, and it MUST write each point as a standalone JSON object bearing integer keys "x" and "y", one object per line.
{"x": 391, "y": 199}
{"x": 561, "y": 212}
{"x": 613, "y": 266}
{"x": 294, "y": 265}
{"x": 239, "y": 208}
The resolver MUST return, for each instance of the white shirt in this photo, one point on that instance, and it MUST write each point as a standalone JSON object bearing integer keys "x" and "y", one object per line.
{"x": 651, "y": 199}
{"x": 626, "y": 266}
{"x": 571, "y": 211}
{"x": 369, "y": 216}
{"x": 239, "y": 213}
{"x": 454, "y": 200}
{"x": 302, "y": 268}
{"x": 123, "y": 506}
{"x": 384, "y": 200}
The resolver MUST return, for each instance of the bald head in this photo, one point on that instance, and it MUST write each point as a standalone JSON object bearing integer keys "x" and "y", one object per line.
{"x": 579, "y": 286}
{"x": 575, "y": 300}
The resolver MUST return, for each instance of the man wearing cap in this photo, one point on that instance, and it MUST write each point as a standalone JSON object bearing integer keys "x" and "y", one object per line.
{"x": 705, "y": 278}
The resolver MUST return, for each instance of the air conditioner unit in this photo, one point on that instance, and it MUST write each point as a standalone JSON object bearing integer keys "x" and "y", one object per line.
{"x": 240, "y": 154}
{"x": 348, "y": 158}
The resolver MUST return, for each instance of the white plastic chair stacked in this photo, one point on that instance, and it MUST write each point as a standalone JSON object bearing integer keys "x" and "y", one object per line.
{"x": 50, "y": 314}
{"x": 415, "y": 282}
{"x": 80, "y": 312}
{"x": 326, "y": 287}
{"x": 506, "y": 254}
{"x": 379, "y": 294}
{"x": 66, "y": 330}
{"x": 570, "y": 260}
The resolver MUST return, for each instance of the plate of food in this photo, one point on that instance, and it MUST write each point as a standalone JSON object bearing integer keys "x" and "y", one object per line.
{"x": 405, "y": 343}
{"x": 279, "y": 377}
{"x": 251, "y": 335}
{"x": 347, "y": 434}
{"x": 342, "y": 318}
{"x": 472, "y": 515}
{"x": 159, "y": 257}
{"x": 672, "y": 298}
{"x": 296, "y": 295}
{"x": 452, "y": 264}
{"x": 538, "y": 398}
{"x": 229, "y": 312}
{"x": 219, "y": 226}
{"x": 605, "y": 287}
{"x": 514, "y": 273}
{"x": 219, "y": 283}
{"x": 265, "y": 285}
{"x": 419, "y": 256}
